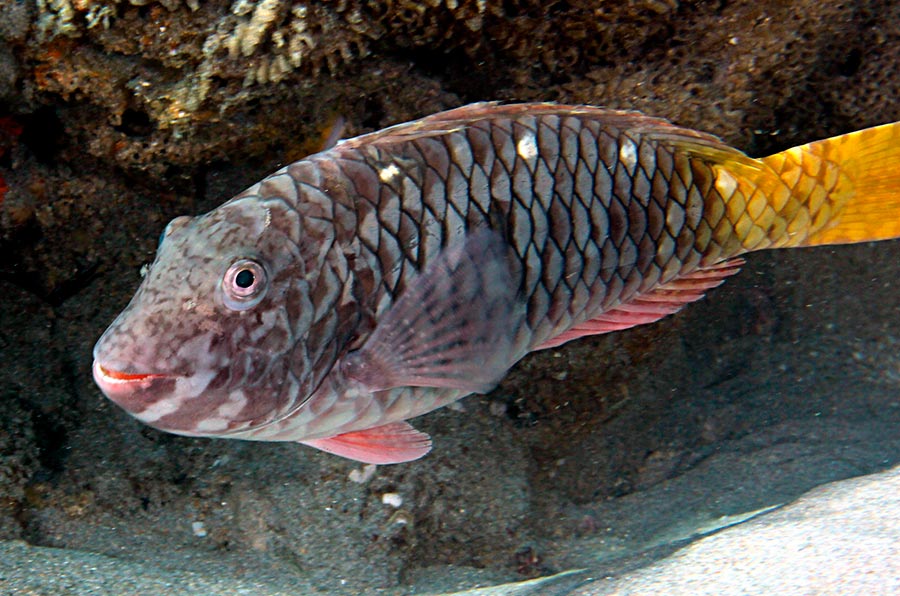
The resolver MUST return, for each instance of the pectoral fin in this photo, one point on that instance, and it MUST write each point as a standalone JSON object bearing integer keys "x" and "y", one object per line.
{"x": 393, "y": 443}
{"x": 452, "y": 327}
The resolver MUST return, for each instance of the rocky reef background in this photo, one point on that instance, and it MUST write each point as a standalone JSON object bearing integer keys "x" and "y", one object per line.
{"x": 117, "y": 116}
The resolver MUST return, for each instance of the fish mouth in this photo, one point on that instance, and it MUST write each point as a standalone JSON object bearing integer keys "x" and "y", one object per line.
{"x": 119, "y": 385}
{"x": 109, "y": 376}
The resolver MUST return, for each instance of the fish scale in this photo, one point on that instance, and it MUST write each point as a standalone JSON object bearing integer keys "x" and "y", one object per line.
{"x": 638, "y": 227}
{"x": 401, "y": 270}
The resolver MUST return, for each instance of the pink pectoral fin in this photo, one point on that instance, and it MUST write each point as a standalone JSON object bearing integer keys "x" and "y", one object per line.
{"x": 393, "y": 443}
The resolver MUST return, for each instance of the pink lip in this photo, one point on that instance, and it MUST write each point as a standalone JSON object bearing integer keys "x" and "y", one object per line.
{"x": 114, "y": 382}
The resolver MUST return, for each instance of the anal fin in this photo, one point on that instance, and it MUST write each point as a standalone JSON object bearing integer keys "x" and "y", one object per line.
{"x": 392, "y": 443}
{"x": 662, "y": 301}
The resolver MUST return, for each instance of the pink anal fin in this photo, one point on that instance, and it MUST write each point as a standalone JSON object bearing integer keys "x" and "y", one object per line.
{"x": 662, "y": 301}
{"x": 393, "y": 443}
{"x": 452, "y": 327}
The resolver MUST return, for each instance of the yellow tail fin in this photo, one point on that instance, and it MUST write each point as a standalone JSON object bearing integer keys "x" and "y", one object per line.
{"x": 847, "y": 187}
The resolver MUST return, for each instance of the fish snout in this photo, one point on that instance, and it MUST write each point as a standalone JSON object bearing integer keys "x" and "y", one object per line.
{"x": 133, "y": 391}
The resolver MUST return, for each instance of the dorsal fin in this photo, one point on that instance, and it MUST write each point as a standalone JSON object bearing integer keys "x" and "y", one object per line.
{"x": 459, "y": 118}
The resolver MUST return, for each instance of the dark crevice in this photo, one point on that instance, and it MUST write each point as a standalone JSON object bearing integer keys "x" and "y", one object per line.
{"x": 51, "y": 437}
{"x": 32, "y": 283}
{"x": 472, "y": 79}
{"x": 42, "y": 134}
{"x": 374, "y": 113}
{"x": 851, "y": 63}
{"x": 200, "y": 184}
{"x": 136, "y": 123}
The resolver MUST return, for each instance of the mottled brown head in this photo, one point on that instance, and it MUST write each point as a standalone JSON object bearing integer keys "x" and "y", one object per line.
{"x": 214, "y": 341}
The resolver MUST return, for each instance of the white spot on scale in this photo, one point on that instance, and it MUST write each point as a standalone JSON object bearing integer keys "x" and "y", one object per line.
{"x": 389, "y": 173}
{"x": 726, "y": 184}
{"x": 185, "y": 388}
{"x": 163, "y": 407}
{"x": 211, "y": 425}
{"x": 527, "y": 147}
{"x": 231, "y": 408}
{"x": 628, "y": 155}
{"x": 194, "y": 385}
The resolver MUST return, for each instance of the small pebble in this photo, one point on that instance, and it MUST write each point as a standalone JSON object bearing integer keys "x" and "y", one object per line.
{"x": 392, "y": 499}
{"x": 364, "y": 475}
{"x": 199, "y": 529}
{"x": 497, "y": 408}
{"x": 456, "y": 406}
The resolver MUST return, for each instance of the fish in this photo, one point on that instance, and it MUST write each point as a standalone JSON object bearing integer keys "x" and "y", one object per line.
{"x": 399, "y": 271}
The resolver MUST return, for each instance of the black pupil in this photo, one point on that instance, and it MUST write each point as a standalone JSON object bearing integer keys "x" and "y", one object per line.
{"x": 244, "y": 278}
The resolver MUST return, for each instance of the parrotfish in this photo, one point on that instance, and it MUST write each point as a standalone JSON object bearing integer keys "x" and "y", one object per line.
{"x": 401, "y": 270}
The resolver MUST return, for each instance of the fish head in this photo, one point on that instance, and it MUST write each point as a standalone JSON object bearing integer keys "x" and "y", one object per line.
{"x": 207, "y": 346}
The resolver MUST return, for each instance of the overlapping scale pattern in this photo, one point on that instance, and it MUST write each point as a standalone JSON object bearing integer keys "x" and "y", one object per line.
{"x": 597, "y": 206}
{"x": 594, "y": 211}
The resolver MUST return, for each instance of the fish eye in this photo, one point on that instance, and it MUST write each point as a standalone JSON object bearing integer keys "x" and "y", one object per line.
{"x": 245, "y": 279}
{"x": 244, "y": 284}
